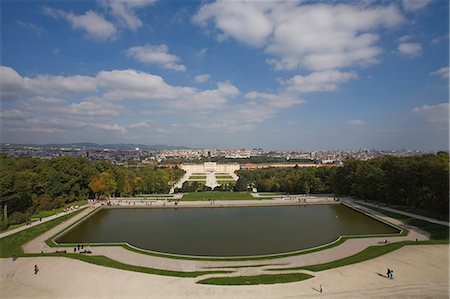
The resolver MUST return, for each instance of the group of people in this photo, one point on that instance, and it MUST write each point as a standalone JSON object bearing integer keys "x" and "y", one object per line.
{"x": 390, "y": 273}
{"x": 80, "y": 249}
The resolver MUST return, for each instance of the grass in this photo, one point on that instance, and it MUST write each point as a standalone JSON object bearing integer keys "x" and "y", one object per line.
{"x": 107, "y": 262}
{"x": 225, "y": 181}
{"x": 234, "y": 259}
{"x": 218, "y": 195}
{"x": 13, "y": 243}
{"x": 437, "y": 231}
{"x": 224, "y": 177}
{"x": 254, "y": 280}
{"x": 155, "y": 195}
{"x": 193, "y": 177}
{"x": 367, "y": 254}
{"x": 44, "y": 214}
{"x": 243, "y": 266}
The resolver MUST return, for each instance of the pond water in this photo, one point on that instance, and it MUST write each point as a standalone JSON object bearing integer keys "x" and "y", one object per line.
{"x": 225, "y": 231}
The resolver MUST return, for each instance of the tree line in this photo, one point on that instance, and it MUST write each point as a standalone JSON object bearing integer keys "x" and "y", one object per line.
{"x": 29, "y": 185}
{"x": 418, "y": 182}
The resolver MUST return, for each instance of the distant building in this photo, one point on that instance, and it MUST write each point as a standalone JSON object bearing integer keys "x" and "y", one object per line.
{"x": 210, "y": 167}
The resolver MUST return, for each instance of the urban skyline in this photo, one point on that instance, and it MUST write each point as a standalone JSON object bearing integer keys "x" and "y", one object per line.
{"x": 273, "y": 75}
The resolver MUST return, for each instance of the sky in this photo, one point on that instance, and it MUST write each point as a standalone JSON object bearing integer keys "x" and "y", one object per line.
{"x": 292, "y": 75}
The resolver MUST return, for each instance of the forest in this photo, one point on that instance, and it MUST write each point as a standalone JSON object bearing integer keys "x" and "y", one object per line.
{"x": 29, "y": 185}
{"x": 420, "y": 183}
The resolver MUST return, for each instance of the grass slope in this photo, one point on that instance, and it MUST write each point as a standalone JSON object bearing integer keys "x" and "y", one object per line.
{"x": 218, "y": 195}
{"x": 252, "y": 280}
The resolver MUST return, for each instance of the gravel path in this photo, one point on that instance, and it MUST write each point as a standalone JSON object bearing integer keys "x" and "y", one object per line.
{"x": 419, "y": 272}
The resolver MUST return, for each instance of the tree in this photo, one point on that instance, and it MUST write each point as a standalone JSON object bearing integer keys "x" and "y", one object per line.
{"x": 103, "y": 184}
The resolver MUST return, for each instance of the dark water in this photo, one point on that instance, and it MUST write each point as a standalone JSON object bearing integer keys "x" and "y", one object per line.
{"x": 225, "y": 231}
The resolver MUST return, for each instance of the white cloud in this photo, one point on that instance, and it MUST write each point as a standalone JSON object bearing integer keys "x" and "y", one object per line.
{"x": 13, "y": 114}
{"x": 245, "y": 21}
{"x": 158, "y": 55}
{"x": 442, "y": 72}
{"x": 91, "y": 107}
{"x": 318, "y": 81}
{"x": 313, "y": 36}
{"x": 125, "y": 11}
{"x": 93, "y": 24}
{"x": 13, "y": 85}
{"x": 54, "y": 102}
{"x": 201, "y": 78}
{"x": 405, "y": 38}
{"x": 141, "y": 125}
{"x": 202, "y": 52}
{"x": 410, "y": 49}
{"x": 436, "y": 114}
{"x": 32, "y": 27}
{"x": 415, "y": 4}
{"x": 356, "y": 122}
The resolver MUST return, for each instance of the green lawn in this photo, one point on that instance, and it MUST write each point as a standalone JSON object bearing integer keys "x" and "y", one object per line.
{"x": 437, "y": 231}
{"x": 13, "y": 243}
{"x": 193, "y": 177}
{"x": 252, "y": 280}
{"x": 224, "y": 177}
{"x": 44, "y": 214}
{"x": 155, "y": 195}
{"x": 218, "y": 195}
{"x": 226, "y": 181}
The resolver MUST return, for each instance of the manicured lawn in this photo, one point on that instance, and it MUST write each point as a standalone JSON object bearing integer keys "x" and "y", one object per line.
{"x": 437, "y": 231}
{"x": 193, "y": 177}
{"x": 225, "y": 181}
{"x": 155, "y": 195}
{"x": 218, "y": 195}
{"x": 44, "y": 214}
{"x": 107, "y": 262}
{"x": 252, "y": 280}
{"x": 224, "y": 177}
{"x": 13, "y": 243}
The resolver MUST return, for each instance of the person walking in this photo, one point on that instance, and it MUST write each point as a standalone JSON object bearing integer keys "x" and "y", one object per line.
{"x": 320, "y": 289}
{"x": 388, "y": 273}
{"x": 392, "y": 274}
{"x": 36, "y": 269}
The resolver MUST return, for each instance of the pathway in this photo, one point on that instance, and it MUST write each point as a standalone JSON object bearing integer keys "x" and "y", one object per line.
{"x": 419, "y": 272}
{"x": 24, "y": 227}
{"x": 428, "y": 219}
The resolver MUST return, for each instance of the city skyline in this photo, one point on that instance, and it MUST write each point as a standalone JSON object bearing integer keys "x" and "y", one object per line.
{"x": 275, "y": 75}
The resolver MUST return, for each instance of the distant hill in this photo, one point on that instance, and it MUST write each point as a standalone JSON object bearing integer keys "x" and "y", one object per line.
{"x": 120, "y": 146}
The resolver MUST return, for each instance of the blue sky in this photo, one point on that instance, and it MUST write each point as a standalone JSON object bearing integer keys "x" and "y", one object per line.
{"x": 277, "y": 75}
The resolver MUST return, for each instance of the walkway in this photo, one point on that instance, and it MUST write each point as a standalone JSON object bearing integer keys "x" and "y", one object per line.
{"x": 431, "y": 220}
{"x": 24, "y": 227}
{"x": 419, "y": 272}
